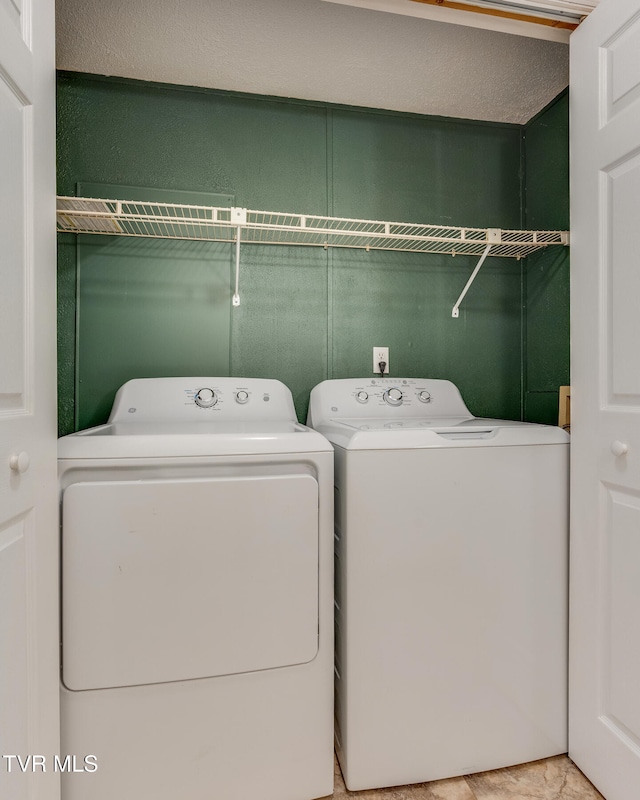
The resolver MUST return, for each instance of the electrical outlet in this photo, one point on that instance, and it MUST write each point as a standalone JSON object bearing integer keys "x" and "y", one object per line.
{"x": 380, "y": 354}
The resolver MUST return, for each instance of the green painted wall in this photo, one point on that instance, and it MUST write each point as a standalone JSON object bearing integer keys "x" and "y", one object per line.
{"x": 306, "y": 313}
{"x": 147, "y": 307}
{"x": 546, "y": 140}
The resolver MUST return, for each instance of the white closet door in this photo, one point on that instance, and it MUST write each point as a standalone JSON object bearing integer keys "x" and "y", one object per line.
{"x": 604, "y": 727}
{"x": 28, "y": 513}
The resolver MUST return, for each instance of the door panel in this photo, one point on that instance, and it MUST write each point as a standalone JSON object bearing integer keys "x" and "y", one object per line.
{"x": 621, "y": 68}
{"x": 620, "y": 203}
{"x": 623, "y": 662}
{"x": 13, "y": 312}
{"x": 604, "y": 705}
{"x": 13, "y": 635}
{"x": 12, "y": 11}
{"x": 29, "y": 658}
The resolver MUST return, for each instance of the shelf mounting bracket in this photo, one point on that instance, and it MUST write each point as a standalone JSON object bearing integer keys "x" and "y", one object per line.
{"x": 239, "y": 217}
{"x": 493, "y": 237}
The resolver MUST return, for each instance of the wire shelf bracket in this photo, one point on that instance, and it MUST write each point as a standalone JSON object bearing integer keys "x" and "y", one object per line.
{"x": 239, "y": 216}
{"x": 236, "y": 225}
{"x": 493, "y": 237}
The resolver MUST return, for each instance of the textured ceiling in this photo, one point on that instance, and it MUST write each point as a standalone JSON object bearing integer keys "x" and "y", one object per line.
{"x": 315, "y": 50}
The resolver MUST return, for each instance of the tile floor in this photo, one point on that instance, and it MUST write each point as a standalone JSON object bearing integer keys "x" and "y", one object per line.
{"x": 555, "y": 778}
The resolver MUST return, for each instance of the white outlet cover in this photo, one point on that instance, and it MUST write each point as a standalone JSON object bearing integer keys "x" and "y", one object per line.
{"x": 380, "y": 354}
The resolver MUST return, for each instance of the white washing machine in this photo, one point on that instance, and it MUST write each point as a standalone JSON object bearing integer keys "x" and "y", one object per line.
{"x": 451, "y": 583}
{"x": 197, "y": 596}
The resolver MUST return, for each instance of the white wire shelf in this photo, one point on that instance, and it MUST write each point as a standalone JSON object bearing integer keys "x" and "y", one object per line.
{"x": 219, "y": 224}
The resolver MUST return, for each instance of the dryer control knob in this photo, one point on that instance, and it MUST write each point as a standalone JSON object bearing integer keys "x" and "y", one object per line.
{"x": 362, "y": 397}
{"x": 242, "y": 397}
{"x": 393, "y": 397}
{"x": 206, "y": 398}
{"x": 424, "y": 397}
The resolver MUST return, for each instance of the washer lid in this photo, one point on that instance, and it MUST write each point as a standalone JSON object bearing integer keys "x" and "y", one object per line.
{"x": 407, "y": 413}
{"x": 406, "y": 424}
{"x": 411, "y": 434}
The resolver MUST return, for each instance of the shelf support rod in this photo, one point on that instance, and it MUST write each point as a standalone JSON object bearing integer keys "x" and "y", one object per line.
{"x": 455, "y": 313}
{"x": 236, "y": 295}
{"x": 239, "y": 216}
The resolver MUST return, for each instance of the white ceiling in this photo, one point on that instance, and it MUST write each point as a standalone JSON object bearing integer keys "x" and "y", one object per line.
{"x": 315, "y": 50}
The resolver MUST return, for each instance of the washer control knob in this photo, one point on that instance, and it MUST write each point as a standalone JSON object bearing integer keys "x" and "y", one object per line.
{"x": 424, "y": 397}
{"x": 206, "y": 398}
{"x": 242, "y": 397}
{"x": 362, "y": 397}
{"x": 393, "y": 397}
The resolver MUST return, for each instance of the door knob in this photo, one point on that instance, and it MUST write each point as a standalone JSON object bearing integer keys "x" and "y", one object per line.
{"x": 619, "y": 448}
{"x": 19, "y": 462}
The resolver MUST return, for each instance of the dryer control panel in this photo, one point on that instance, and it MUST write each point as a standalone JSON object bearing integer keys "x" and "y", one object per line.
{"x": 395, "y": 398}
{"x": 199, "y": 399}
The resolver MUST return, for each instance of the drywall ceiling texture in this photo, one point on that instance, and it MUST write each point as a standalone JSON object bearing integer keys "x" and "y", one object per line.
{"x": 314, "y": 50}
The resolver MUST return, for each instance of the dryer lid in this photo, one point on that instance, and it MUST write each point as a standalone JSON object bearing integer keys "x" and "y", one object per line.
{"x": 151, "y": 440}
{"x": 202, "y": 416}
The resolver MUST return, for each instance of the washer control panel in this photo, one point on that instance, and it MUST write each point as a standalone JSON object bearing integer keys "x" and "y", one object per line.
{"x": 202, "y": 399}
{"x": 205, "y": 398}
{"x": 393, "y": 398}
{"x": 393, "y": 392}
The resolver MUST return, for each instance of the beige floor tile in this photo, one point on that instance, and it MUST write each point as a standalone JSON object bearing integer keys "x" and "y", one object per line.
{"x": 550, "y": 779}
{"x": 451, "y": 789}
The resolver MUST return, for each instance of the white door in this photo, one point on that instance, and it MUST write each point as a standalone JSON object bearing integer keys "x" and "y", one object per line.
{"x": 604, "y": 717}
{"x": 28, "y": 516}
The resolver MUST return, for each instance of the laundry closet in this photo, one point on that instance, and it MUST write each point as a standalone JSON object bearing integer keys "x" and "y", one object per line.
{"x": 148, "y": 308}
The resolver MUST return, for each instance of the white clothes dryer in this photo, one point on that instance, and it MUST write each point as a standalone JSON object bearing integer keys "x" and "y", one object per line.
{"x": 197, "y": 596}
{"x": 451, "y": 583}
